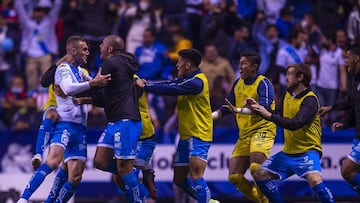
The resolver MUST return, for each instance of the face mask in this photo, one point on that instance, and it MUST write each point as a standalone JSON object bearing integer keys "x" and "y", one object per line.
{"x": 144, "y": 5}
{"x": 16, "y": 90}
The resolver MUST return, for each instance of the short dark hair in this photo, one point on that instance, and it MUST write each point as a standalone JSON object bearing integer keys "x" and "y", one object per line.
{"x": 192, "y": 55}
{"x": 73, "y": 42}
{"x": 252, "y": 57}
{"x": 304, "y": 69}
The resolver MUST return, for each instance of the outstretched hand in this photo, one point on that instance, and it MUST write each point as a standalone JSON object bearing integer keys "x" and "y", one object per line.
{"x": 336, "y": 126}
{"x": 229, "y": 106}
{"x": 324, "y": 110}
{"x": 100, "y": 80}
{"x": 140, "y": 82}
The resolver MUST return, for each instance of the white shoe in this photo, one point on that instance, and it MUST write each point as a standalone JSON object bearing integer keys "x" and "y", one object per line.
{"x": 214, "y": 201}
{"x": 22, "y": 200}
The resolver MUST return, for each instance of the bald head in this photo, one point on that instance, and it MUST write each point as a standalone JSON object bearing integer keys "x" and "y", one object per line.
{"x": 110, "y": 45}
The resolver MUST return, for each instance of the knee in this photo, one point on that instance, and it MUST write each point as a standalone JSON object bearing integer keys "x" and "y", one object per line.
{"x": 260, "y": 174}
{"x": 99, "y": 164}
{"x": 254, "y": 167}
{"x": 235, "y": 177}
{"x": 347, "y": 174}
{"x": 52, "y": 114}
{"x": 75, "y": 178}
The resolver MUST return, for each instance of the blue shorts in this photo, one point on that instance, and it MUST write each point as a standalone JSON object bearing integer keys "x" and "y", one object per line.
{"x": 285, "y": 165}
{"x": 144, "y": 151}
{"x": 355, "y": 151}
{"x": 122, "y": 136}
{"x": 191, "y": 147}
{"x": 72, "y": 137}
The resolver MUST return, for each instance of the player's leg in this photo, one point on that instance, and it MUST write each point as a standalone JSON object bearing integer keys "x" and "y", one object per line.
{"x": 276, "y": 167}
{"x": 144, "y": 152}
{"x": 350, "y": 169}
{"x": 75, "y": 158}
{"x": 104, "y": 155}
{"x": 239, "y": 163}
{"x": 60, "y": 179}
{"x": 181, "y": 169}
{"x": 53, "y": 159}
{"x": 311, "y": 170}
{"x": 127, "y": 136}
{"x": 197, "y": 165}
{"x": 44, "y": 135}
{"x": 260, "y": 146}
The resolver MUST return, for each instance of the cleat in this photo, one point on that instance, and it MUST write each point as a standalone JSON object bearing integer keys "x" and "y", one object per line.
{"x": 149, "y": 182}
{"x": 36, "y": 162}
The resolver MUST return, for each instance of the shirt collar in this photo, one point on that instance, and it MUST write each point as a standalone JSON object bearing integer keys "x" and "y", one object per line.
{"x": 250, "y": 80}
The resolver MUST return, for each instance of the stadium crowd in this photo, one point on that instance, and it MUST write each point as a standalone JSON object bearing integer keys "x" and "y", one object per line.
{"x": 33, "y": 35}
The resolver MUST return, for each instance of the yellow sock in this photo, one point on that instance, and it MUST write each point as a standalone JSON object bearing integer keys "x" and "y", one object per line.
{"x": 244, "y": 186}
{"x": 261, "y": 198}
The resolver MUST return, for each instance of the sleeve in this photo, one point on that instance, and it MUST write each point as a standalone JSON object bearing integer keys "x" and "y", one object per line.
{"x": 24, "y": 18}
{"x": 66, "y": 82}
{"x": 306, "y": 114}
{"x": 48, "y": 78}
{"x": 266, "y": 94}
{"x": 190, "y": 86}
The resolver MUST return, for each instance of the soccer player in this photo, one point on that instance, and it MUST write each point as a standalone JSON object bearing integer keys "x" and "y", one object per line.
{"x": 256, "y": 136}
{"x": 195, "y": 122}
{"x": 50, "y": 114}
{"x": 69, "y": 139}
{"x": 350, "y": 169}
{"x": 120, "y": 101}
{"x": 302, "y": 134}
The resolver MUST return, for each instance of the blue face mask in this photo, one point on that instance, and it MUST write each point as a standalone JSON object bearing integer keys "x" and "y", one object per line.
{"x": 16, "y": 90}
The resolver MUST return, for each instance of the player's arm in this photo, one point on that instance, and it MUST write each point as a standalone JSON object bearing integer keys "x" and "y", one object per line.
{"x": 191, "y": 86}
{"x": 306, "y": 115}
{"x": 266, "y": 94}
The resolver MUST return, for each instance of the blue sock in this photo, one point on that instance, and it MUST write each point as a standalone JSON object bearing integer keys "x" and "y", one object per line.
{"x": 188, "y": 187}
{"x": 133, "y": 190}
{"x": 66, "y": 192}
{"x": 36, "y": 180}
{"x": 270, "y": 190}
{"x": 202, "y": 190}
{"x": 43, "y": 135}
{"x": 323, "y": 193}
{"x": 355, "y": 183}
{"x": 59, "y": 181}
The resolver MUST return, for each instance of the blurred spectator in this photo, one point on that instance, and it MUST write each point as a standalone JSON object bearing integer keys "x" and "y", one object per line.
{"x": 217, "y": 98}
{"x": 140, "y": 16}
{"x": 246, "y": 9}
{"x": 353, "y": 28}
{"x": 294, "y": 52}
{"x": 269, "y": 45}
{"x": 175, "y": 11}
{"x": 241, "y": 41}
{"x": 153, "y": 58}
{"x": 95, "y": 22}
{"x": 332, "y": 76}
{"x": 214, "y": 26}
{"x": 327, "y": 16}
{"x": 69, "y": 16}
{"x": 271, "y": 9}
{"x": 15, "y": 98}
{"x": 300, "y": 8}
{"x": 8, "y": 53}
{"x": 194, "y": 12}
{"x": 313, "y": 31}
{"x": 285, "y": 23}
{"x": 7, "y": 9}
{"x": 213, "y": 66}
{"x": 180, "y": 42}
{"x": 341, "y": 39}
{"x": 38, "y": 41}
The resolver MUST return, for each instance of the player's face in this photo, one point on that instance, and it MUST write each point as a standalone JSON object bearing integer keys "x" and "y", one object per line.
{"x": 291, "y": 79}
{"x": 81, "y": 53}
{"x": 182, "y": 66}
{"x": 104, "y": 49}
{"x": 246, "y": 68}
{"x": 352, "y": 61}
